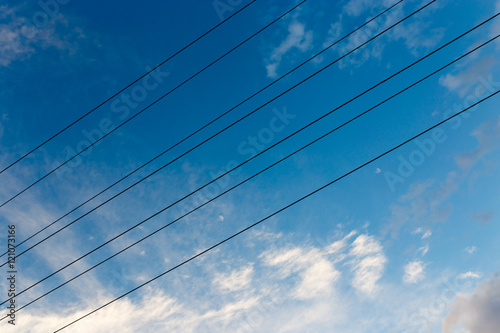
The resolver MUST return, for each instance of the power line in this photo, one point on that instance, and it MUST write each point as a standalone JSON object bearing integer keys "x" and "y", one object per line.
{"x": 126, "y": 87}
{"x": 203, "y": 127}
{"x": 273, "y": 214}
{"x": 101, "y": 138}
{"x": 224, "y": 129}
{"x": 163, "y": 96}
{"x": 239, "y": 184}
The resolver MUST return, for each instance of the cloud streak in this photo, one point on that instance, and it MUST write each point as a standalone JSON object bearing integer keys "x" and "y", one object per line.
{"x": 414, "y": 272}
{"x": 298, "y": 39}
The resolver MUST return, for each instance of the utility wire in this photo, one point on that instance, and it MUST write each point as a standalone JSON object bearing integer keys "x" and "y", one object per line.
{"x": 273, "y": 214}
{"x": 91, "y": 145}
{"x": 125, "y": 88}
{"x": 200, "y": 129}
{"x": 138, "y": 113}
{"x": 239, "y": 184}
{"x": 224, "y": 129}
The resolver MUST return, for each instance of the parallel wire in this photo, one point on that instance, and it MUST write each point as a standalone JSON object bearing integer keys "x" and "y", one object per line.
{"x": 146, "y": 108}
{"x": 126, "y": 87}
{"x": 251, "y": 177}
{"x": 200, "y": 129}
{"x": 224, "y": 129}
{"x": 273, "y": 214}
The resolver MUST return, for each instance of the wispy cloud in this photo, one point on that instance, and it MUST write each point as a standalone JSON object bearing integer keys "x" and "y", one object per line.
{"x": 430, "y": 200}
{"x": 20, "y": 39}
{"x": 298, "y": 38}
{"x": 469, "y": 275}
{"x": 414, "y": 272}
{"x": 317, "y": 280}
{"x": 483, "y": 217}
{"x": 234, "y": 281}
{"x": 368, "y": 264}
{"x": 424, "y": 249}
{"x": 417, "y": 36}
{"x": 488, "y": 140}
{"x": 470, "y": 249}
{"x": 425, "y": 234}
{"x": 466, "y": 79}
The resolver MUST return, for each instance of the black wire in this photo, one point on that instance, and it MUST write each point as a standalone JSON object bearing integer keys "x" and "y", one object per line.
{"x": 227, "y": 127}
{"x": 119, "y": 126}
{"x": 133, "y": 117}
{"x": 275, "y": 213}
{"x": 164, "y": 152}
{"x": 125, "y": 88}
{"x": 239, "y": 184}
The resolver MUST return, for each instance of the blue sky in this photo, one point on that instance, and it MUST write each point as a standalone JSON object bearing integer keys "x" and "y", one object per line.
{"x": 406, "y": 244}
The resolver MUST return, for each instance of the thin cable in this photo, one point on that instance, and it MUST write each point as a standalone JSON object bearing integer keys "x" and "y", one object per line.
{"x": 215, "y": 134}
{"x": 98, "y": 140}
{"x": 165, "y": 95}
{"x": 273, "y": 214}
{"x": 164, "y": 152}
{"x": 125, "y": 88}
{"x": 203, "y": 127}
{"x": 235, "y": 186}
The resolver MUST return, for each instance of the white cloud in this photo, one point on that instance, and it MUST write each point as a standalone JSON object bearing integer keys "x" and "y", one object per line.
{"x": 368, "y": 272}
{"x": 236, "y": 280}
{"x": 424, "y": 249}
{"x": 316, "y": 266}
{"x": 468, "y": 75}
{"x": 427, "y": 234}
{"x": 417, "y": 36}
{"x": 334, "y": 33}
{"x": 230, "y": 310}
{"x": 469, "y": 275}
{"x": 488, "y": 139}
{"x": 317, "y": 280}
{"x": 470, "y": 249}
{"x": 478, "y": 312}
{"x": 368, "y": 265}
{"x": 465, "y": 80}
{"x": 20, "y": 39}
{"x": 338, "y": 246}
{"x": 291, "y": 256}
{"x": 429, "y": 200}
{"x": 364, "y": 245}
{"x": 413, "y": 272}
{"x": 125, "y": 316}
{"x": 298, "y": 38}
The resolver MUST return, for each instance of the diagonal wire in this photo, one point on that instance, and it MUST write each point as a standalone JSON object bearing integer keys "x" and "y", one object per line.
{"x": 125, "y": 88}
{"x": 200, "y": 129}
{"x": 224, "y": 129}
{"x": 273, "y": 214}
{"x": 239, "y": 184}
{"x": 146, "y": 108}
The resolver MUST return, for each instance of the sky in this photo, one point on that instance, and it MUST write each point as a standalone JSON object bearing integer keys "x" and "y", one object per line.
{"x": 405, "y": 244}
